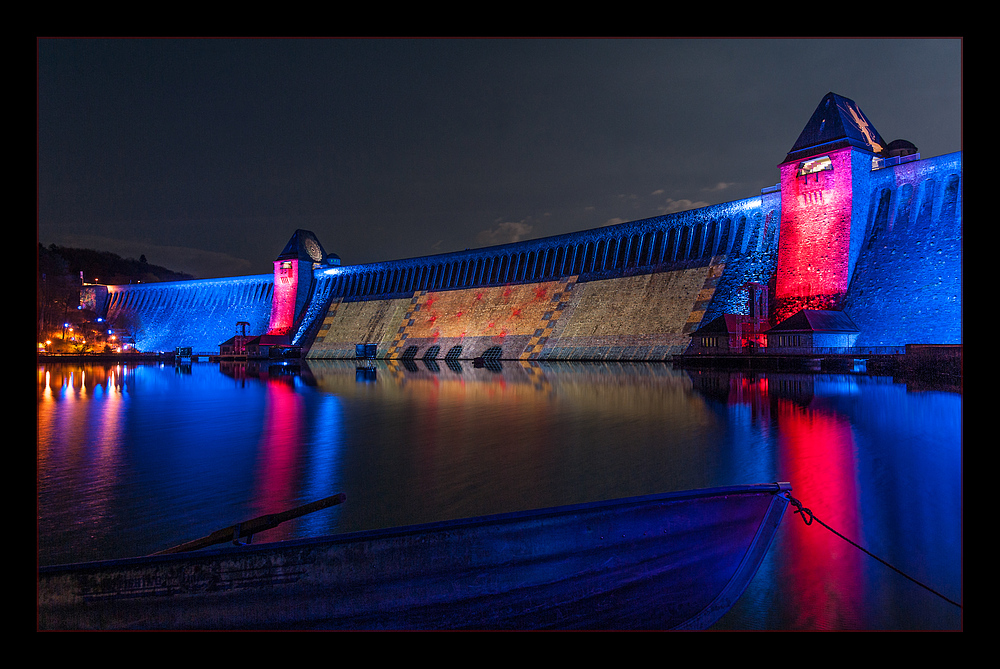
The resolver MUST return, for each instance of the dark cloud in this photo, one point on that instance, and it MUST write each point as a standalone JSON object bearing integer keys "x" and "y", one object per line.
{"x": 505, "y": 232}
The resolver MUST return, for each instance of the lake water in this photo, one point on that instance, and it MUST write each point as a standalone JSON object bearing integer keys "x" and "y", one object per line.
{"x": 134, "y": 459}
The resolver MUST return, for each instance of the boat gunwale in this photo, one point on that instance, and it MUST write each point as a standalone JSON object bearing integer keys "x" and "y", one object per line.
{"x": 423, "y": 528}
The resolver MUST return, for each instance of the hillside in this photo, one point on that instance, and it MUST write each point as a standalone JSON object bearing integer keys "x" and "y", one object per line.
{"x": 103, "y": 267}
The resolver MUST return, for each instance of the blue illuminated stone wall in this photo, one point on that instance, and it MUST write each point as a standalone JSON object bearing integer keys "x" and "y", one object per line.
{"x": 201, "y": 314}
{"x": 907, "y": 284}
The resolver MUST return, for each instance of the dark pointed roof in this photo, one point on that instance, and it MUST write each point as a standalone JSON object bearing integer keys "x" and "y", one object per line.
{"x": 836, "y": 123}
{"x": 303, "y": 246}
{"x": 262, "y": 340}
{"x": 816, "y": 320}
{"x": 729, "y": 324}
{"x": 724, "y": 324}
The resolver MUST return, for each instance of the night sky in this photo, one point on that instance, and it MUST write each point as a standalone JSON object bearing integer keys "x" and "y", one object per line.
{"x": 206, "y": 155}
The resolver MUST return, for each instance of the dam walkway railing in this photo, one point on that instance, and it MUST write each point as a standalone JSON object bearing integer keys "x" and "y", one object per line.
{"x": 830, "y": 350}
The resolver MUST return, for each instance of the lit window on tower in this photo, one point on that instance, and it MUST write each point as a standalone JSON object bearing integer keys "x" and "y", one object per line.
{"x": 285, "y": 272}
{"x": 815, "y": 165}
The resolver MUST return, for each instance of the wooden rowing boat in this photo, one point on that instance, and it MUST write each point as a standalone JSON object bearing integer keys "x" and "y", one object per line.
{"x": 670, "y": 561}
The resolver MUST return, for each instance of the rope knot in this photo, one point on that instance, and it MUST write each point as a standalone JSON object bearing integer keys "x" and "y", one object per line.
{"x": 804, "y": 512}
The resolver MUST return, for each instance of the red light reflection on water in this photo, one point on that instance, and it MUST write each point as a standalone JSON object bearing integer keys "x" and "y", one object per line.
{"x": 750, "y": 391}
{"x": 279, "y": 455}
{"x": 816, "y": 453}
{"x": 815, "y": 450}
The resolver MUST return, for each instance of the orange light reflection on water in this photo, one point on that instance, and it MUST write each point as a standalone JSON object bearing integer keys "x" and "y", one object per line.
{"x": 89, "y": 438}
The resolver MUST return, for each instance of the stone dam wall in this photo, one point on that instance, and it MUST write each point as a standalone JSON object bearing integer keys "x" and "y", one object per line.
{"x": 201, "y": 314}
{"x": 633, "y": 291}
{"x": 907, "y": 285}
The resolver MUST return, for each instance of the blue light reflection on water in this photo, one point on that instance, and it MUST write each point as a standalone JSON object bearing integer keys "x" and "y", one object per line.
{"x": 134, "y": 459}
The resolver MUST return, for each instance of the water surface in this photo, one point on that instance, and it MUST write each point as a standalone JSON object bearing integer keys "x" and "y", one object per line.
{"x": 133, "y": 459}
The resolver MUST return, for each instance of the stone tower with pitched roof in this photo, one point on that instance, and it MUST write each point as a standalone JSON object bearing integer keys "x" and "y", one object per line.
{"x": 823, "y": 181}
{"x": 293, "y": 279}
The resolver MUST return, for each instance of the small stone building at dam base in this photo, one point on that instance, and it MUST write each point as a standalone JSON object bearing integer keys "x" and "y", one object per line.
{"x": 860, "y": 234}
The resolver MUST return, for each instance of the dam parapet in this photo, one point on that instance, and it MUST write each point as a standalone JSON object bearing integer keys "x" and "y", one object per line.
{"x": 630, "y": 291}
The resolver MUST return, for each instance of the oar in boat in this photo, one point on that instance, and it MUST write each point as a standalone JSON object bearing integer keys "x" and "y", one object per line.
{"x": 250, "y": 527}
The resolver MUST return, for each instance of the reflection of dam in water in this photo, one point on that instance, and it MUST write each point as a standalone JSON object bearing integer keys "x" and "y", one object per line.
{"x": 859, "y": 233}
{"x": 463, "y": 377}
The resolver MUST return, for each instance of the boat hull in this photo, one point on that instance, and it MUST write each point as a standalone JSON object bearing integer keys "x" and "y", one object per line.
{"x": 671, "y": 561}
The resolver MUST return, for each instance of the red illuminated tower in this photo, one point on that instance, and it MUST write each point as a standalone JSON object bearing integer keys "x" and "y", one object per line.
{"x": 822, "y": 222}
{"x": 293, "y": 279}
